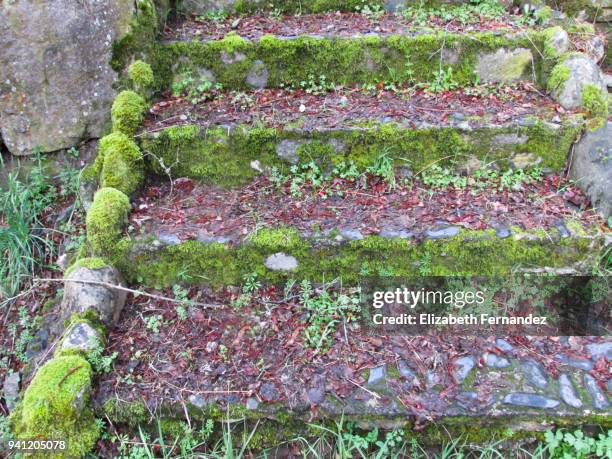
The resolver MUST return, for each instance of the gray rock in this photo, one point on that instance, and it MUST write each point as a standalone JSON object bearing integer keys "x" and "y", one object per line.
{"x": 509, "y": 139}
{"x": 269, "y": 392}
{"x": 559, "y": 42}
{"x": 582, "y": 70}
{"x": 316, "y": 394}
{"x": 281, "y": 262}
{"x": 405, "y": 371}
{"x": 396, "y": 233}
{"x": 530, "y": 400}
{"x": 502, "y": 232}
{"x": 495, "y": 361}
{"x": 287, "y": 150}
{"x": 229, "y": 59}
{"x": 568, "y": 391}
{"x": 351, "y": 234}
{"x": 504, "y": 65}
{"x": 524, "y": 160}
{"x": 82, "y": 337}
{"x": 168, "y": 238}
{"x": 443, "y": 233}
{"x": 535, "y": 373}
{"x": 197, "y": 400}
{"x": 57, "y": 82}
{"x": 463, "y": 366}
{"x": 82, "y": 297}
{"x": 258, "y": 75}
{"x": 600, "y": 400}
{"x": 504, "y": 345}
{"x": 473, "y": 401}
{"x": 252, "y": 403}
{"x": 598, "y": 350}
{"x": 10, "y": 390}
{"x": 592, "y": 169}
{"x": 581, "y": 364}
{"x": 608, "y": 80}
{"x": 595, "y": 48}
{"x": 377, "y": 374}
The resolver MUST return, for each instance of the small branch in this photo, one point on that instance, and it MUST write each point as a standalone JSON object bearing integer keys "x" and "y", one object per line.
{"x": 135, "y": 292}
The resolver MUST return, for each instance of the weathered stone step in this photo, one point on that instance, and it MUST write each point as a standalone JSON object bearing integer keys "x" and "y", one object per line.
{"x": 295, "y": 6}
{"x": 236, "y": 136}
{"x": 344, "y": 230}
{"x": 276, "y": 61}
{"x": 255, "y": 364}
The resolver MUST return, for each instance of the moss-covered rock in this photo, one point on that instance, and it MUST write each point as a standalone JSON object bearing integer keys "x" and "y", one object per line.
{"x": 119, "y": 163}
{"x": 595, "y": 100}
{"x": 141, "y": 74}
{"x": 55, "y": 406}
{"x": 106, "y": 218}
{"x": 89, "y": 263}
{"x": 127, "y": 112}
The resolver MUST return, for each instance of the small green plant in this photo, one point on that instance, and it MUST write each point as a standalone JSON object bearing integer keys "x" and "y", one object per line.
{"x": 153, "y": 323}
{"x": 249, "y": 288}
{"x": 215, "y": 15}
{"x": 468, "y": 12}
{"x": 383, "y": 167}
{"x": 443, "y": 81}
{"x": 373, "y": 11}
{"x": 196, "y": 89}
{"x": 316, "y": 86}
{"x": 442, "y": 177}
{"x": 184, "y": 303}
{"x": 100, "y": 363}
{"x": 243, "y": 101}
{"x": 326, "y": 310}
{"x": 576, "y": 445}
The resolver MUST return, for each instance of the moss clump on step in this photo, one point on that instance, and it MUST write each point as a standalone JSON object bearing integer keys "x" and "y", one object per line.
{"x": 89, "y": 263}
{"x": 127, "y": 112}
{"x": 225, "y": 156}
{"x": 105, "y": 219}
{"x": 342, "y": 60}
{"x": 559, "y": 75}
{"x": 595, "y": 100}
{"x": 55, "y": 406}
{"x": 222, "y": 264}
{"x": 141, "y": 74}
{"x": 120, "y": 163}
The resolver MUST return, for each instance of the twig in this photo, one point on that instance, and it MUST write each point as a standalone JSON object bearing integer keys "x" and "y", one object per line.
{"x": 129, "y": 290}
{"x": 373, "y": 394}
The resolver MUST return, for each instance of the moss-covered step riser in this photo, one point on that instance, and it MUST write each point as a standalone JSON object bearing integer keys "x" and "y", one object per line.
{"x": 296, "y": 6}
{"x": 229, "y": 157}
{"x": 237, "y": 63}
{"x": 278, "y": 254}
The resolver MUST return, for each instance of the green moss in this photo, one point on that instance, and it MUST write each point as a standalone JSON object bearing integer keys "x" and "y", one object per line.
{"x": 224, "y": 157}
{"x": 89, "y": 263}
{"x": 127, "y": 112}
{"x": 120, "y": 163}
{"x": 105, "y": 219}
{"x": 595, "y": 100}
{"x": 301, "y": 6}
{"x": 341, "y": 60}
{"x": 544, "y": 14}
{"x": 550, "y": 51}
{"x": 559, "y": 75}
{"x": 220, "y": 264}
{"x": 127, "y": 413}
{"x": 141, "y": 74}
{"x": 55, "y": 406}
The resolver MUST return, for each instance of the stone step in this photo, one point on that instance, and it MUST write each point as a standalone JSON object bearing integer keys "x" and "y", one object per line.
{"x": 236, "y": 136}
{"x": 202, "y": 233}
{"x": 253, "y": 364}
{"x": 273, "y": 55}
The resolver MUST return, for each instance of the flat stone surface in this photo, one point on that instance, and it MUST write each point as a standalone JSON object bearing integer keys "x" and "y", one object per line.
{"x": 83, "y": 337}
{"x": 598, "y": 350}
{"x": 405, "y": 370}
{"x": 503, "y": 233}
{"x": 581, "y": 364}
{"x": 504, "y": 345}
{"x": 535, "y": 373}
{"x": 600, "y": 400}
{"x": 281, "y": 262}
{"x": 530, "y": 400}
{"x": 197, "y": 400}
{"x": 568, "y": 391}
{"x": 463, "y": 366}
{"x": 377, "y": 374}
{"x": 443, "y": 233}
{"x": 495, "y": 361}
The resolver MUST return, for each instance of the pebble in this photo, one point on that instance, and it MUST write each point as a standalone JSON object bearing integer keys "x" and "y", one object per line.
{"x": 494, "y": 361}
{"x": 504, "y": 345}
{"x": 168, "y": 238}
{"x": 197, "y": 400}
{"x": 268, "y": 392}
{"x": 316, "y": 395}
{"x": 10, "y": 390}
{"x": 252, "y": 403}
{"x": 376, "y": 374}
{"x": 530, "y": 400}
{"x": 405, "y": 371}
{"x": 463, "y": 366}
{"x": 351, "y": 234}
{"x": 503, "y": 233}
{"x": 535, "y": 373}
{"x": 600, "y": 400}
{"x": 393, "y": 233}
{"x": 281, "y": 262}
{"x": 568, "y": 391}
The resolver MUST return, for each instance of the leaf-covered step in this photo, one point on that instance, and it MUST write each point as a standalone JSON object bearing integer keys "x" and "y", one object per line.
{"x": 232, "y": 137}
{"x": 350, "y": 226}
{"x": 421, "y": 56}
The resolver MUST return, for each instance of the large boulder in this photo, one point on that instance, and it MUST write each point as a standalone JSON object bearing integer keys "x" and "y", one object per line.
{"x": 569, "y": 77}
{"x": 592, "y": 168}
{"x": 56, "y": 81}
